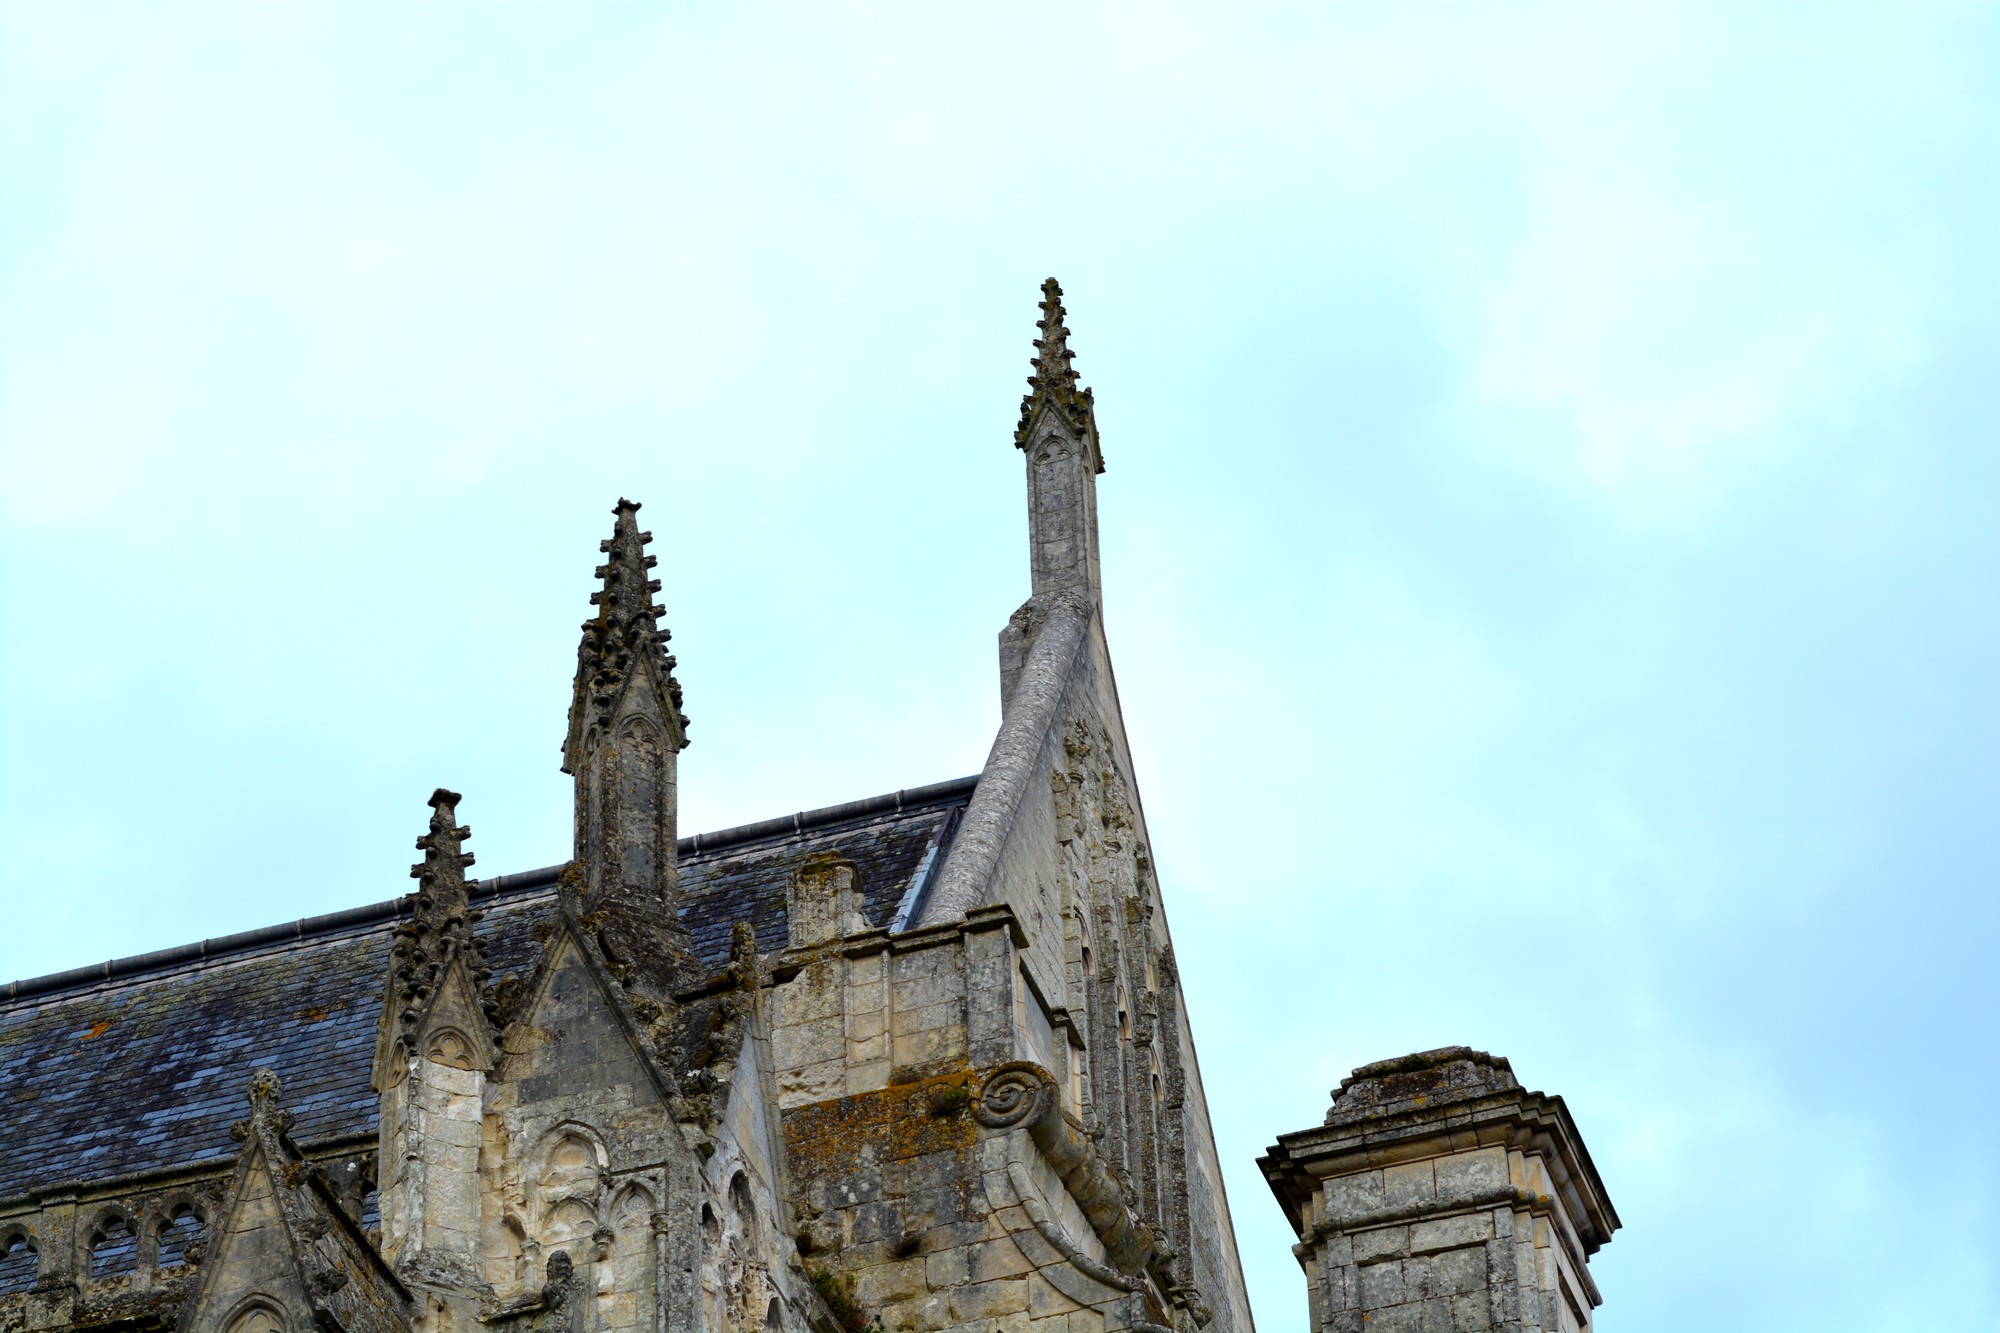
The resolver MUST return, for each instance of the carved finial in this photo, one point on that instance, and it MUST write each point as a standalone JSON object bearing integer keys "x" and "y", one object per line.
{"x": 442, "y": 871}
{"x": 624, "y": 632}
{"x": 439, "y": 926}
{"x": 628, "y": 586}
{"x": 265, "y": 1113}
{"x": 264, "y": 1090}
{"x": 743, "y": 962}
{"x": 1054, "y": 385}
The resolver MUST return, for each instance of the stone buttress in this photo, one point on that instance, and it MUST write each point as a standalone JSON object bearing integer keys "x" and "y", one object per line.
{"x": 993, "y": 1116}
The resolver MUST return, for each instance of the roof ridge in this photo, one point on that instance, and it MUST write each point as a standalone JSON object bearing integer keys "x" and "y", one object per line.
{"x": 354, "y": 918}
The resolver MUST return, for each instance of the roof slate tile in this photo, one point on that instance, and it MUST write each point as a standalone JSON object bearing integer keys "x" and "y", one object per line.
{"x": 144, "y": 1073}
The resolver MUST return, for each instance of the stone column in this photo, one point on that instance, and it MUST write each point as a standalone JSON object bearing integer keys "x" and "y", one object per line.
{"x": 1439, "y": 1194}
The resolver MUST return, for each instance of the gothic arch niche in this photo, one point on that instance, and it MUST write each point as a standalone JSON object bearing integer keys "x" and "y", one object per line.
{"x": 569, "y": 1226}
{"x": 258, "y": 1314}
{"x": 631, "y": 1296}
{"x": 741, "y": 1287}
{"x": 19, "y": 1262}
{"x": 572, "y": 1165}
{"x": 742, "y": 1207}
{"x": 639, "y": 779}
{"x": 567, "y": 1195}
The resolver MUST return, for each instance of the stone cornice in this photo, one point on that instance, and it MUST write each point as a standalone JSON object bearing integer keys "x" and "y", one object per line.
{"x": 1530, "y": 1122}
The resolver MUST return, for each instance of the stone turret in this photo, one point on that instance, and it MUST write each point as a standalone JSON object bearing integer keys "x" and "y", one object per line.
{"x": 437, "y": 1044}
{"x": 626, "y": 732}
{"x": 437, "y": 934}
{"x": 1441, "y": 1195}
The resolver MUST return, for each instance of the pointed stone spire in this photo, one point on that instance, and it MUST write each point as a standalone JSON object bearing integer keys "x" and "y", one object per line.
{"x": 624, "y": 636}
{"x": 1058, "y": 432}
{"x": 626, "y": 731}
{"x": 440, "y": 875}
{"x": 438, "y": 930}
{"x": 1053, "y": 386}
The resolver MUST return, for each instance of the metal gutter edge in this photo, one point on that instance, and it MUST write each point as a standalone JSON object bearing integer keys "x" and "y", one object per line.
{"x": 297, "y": 932}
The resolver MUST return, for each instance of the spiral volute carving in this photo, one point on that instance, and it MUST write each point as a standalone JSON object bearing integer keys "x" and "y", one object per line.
{"x": 1014, "y": 1094}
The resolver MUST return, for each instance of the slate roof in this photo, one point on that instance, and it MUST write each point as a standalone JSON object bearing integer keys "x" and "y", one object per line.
{"x": 138, "y": 1066}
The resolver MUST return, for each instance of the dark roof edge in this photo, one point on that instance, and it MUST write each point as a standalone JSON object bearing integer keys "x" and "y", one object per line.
{"x": 897, "y": 801}
{"x": 354, "y": 917}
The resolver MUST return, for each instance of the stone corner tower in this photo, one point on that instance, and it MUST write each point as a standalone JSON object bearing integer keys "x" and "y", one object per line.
{"x": 1441, "y": 1195}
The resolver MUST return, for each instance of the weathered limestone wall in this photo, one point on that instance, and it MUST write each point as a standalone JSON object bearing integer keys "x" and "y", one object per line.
{"x": 1057, "y": 835}
{"x": 930, "y": 1206}
{"x": 1451, "y": 1263}
{"x": 751, "y": 1277}
{"x": 431, "y": 1139}
{"x": 855, "y": 1014}
{"x": 580, "y": 1154}
{"x": 254, "y": 1269}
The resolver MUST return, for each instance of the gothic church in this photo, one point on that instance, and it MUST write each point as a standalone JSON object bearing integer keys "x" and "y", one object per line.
{"x": 917, "y": 1062}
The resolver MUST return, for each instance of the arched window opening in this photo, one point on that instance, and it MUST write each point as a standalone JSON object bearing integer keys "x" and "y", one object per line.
{"x": 179, "y": 1235}
{"x": 739, "y": 1198}
{"x": 774, "y": 1319}
{"x": 114, "y": 1247}
{"x": 18, "y": 1264}
{"x": 1088, "y": 970}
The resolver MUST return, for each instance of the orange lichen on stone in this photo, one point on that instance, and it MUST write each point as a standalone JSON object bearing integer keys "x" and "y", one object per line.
{"x": 896, "y": 1123}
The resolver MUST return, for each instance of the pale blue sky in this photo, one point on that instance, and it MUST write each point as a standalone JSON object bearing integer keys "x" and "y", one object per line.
{"x": 1548, "y": 534}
